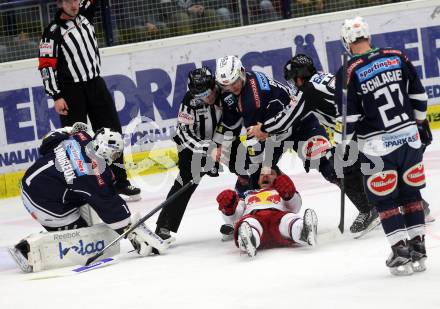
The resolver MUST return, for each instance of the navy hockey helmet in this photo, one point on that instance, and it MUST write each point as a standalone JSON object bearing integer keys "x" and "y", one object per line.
{"x": 299, "y": 66}
{"x": 201, "y": 82}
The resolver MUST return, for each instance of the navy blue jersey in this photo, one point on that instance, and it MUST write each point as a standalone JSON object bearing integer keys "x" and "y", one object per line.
{"x": 384, "y": 98}
{"x": 68, "y": 175}
{"x": 262, "y": 100}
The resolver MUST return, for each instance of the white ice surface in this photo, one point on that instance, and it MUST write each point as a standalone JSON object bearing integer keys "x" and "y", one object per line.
{"x": 200, "y": 271}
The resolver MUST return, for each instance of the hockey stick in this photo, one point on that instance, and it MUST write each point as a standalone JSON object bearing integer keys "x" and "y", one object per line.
{"x": 177, "y": 194}
{"x": 344, "y": 135}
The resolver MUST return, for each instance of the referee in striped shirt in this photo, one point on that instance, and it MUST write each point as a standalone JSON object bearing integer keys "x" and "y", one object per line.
{"x": 197, "y": 120}
{"x": 70, "y": 67}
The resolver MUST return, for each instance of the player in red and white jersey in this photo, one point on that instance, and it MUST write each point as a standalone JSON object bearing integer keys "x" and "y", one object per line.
{"x": 268, "y": 217}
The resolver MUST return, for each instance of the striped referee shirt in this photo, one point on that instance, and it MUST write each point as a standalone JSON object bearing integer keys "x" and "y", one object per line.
{"x": 196, "y": 124}
{"x": 316, "y": 96}
{"x": 68, "y": 51}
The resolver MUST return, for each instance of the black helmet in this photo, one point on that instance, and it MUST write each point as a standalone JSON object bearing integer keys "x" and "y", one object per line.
{"x": 299, "y": 66}
{"x": 200, "y": 80}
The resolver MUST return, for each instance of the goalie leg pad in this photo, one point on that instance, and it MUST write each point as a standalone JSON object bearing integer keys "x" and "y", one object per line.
{"x": 50, "y": 250}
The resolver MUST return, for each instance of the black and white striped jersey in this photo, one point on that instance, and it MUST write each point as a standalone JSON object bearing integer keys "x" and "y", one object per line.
{"x": 316, "y": 96}
{"x": 196, "y": 124}
{"x": 319, "y": 96}
{"x": 68, "y": 50}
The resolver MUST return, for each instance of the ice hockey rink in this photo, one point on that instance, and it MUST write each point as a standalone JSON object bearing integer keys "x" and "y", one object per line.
{"x": 201, "y": 271}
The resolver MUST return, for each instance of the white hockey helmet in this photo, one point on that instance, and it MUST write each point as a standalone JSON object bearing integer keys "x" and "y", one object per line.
{"x": 229, "y": 69}
{"x": 354, "y": 29}
{"x": 108, "y": 144}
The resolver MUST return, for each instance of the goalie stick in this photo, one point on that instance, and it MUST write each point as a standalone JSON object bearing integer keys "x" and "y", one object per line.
{"x": 142, "y": 220}
{"x": 78, "y": 269}
{"x": 344, "y": 135}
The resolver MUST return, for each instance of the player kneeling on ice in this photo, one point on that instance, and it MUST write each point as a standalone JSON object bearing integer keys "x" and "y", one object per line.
{"x": 73, "y": 171}
{"x": 268, "y": 217}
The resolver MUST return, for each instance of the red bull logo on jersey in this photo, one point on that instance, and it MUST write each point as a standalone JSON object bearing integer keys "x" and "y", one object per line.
{"x": 263, "y": 198}
{"x": 382, "y": 183}
{"x": 415, "y": 176}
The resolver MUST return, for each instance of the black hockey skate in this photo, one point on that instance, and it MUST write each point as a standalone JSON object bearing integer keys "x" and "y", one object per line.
{"x": 364, "y": 220}
{"x": 246, "y": 240}
{"x": 163, "y": 233}
{"x": 129, "y": 193}
{"x": 427, "y": 211}
{"x": 310, "y": 227}
{"x": 417, "y": 252}
{"x": 399, "y": 261}
{"x": 227, "y": 232}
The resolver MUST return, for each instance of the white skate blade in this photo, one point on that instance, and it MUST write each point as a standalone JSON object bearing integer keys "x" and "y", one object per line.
{"x": 402, "y": 270}
{"x": 419, "y": 266}
{"x": 244, "y": 240}
{"x": 130, "y": 198}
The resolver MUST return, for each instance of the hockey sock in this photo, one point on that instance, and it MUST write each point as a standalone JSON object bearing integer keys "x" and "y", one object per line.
{"x": 414, "y": 219}
{"x": 393, "y": 224}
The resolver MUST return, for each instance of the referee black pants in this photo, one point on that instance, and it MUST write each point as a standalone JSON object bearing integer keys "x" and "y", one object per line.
{"x": 172, "y": 214}
{"x": 93, "y": 99}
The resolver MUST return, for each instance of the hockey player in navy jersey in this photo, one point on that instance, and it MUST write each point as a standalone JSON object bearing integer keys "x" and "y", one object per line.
{"x": 73, "y": 171}
{"x": 273, "y": 120}
{"x": 386, "y": 110}
{"x": 316, "y": 91}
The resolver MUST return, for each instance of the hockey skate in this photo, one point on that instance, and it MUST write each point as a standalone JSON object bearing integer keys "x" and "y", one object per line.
{"x": 246, "y": 240}
{"x": 417, "y": 252}
{"x": 364, "y": 220}
{"x": 427, "y": 211}
{"x": 399, "y": 261}
{"x": 129, "y": 193}
{"x": 310, "y": 227}
{"x": 227, "y": 232}
{"x": 165, "y": 234}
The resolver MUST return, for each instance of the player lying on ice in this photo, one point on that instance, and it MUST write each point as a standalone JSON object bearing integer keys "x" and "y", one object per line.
{"x": 73, "y": 171}
{"x": 268, "y": 217}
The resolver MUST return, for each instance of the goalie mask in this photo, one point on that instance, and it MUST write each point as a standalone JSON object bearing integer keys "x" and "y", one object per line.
{"x": 353, "y": 30}
{"x": 108, "y": 144}
{"x": 300, "y": 66}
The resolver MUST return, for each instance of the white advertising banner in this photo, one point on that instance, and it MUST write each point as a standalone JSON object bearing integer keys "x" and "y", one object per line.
{"x": 148, "y": 80}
